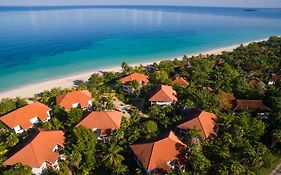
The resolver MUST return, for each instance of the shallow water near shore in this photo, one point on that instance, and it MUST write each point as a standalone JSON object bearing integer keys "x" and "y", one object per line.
{"x": 42, "y": 43}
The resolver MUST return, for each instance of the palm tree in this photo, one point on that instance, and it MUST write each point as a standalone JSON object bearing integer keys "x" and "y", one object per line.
{"x": 113, "y": 158}
{"x": 120, "y": 170}
{"x": 125, "y": 67}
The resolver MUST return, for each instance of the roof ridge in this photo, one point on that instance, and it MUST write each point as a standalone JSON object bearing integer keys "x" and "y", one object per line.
{"x": 63, "y": 95}
{"x": 107, "y": 113}
{"x": 150, "y": 155}
{"x": 85, "y": 118}
{"x": 33, "y": 149}
{"x": 14, "y": 118}
{"x": 168, "y": 94}
{"x": 202, "y": 128}
{"x": 16, "y": 113}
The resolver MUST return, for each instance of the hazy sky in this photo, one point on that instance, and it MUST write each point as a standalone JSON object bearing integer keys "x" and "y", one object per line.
{"x": 229, "y": 3}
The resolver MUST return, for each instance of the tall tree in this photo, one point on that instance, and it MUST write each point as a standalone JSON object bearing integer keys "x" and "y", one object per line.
{"x": 74, "y": 115}
{"x": 112, "y": 158}
{"x": 82, "y": 145}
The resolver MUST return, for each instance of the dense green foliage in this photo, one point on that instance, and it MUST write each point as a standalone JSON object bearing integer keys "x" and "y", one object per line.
{"x": 244, "y": 142}
{"x": 8, "y": 105}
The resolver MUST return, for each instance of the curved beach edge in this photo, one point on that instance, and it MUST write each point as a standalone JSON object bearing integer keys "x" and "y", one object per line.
{"x": 28, "y": 91}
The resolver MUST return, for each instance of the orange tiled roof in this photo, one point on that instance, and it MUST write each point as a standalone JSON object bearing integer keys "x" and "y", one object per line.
{"x": 163, "y": 93}
{"x": 204, "y": 122}
{"x": 135, "y": 76}
{"x": 23, "y": 115}
{"x": 104, "y": 120}
{"x": 66, "y": 100}
{"x": 256, "y": 105}
{"x": 39, "y": 149}
{"x": 155, "y": 154}
{"x": 180, "y": 81}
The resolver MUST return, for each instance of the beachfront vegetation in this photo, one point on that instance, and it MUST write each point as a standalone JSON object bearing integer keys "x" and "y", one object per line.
{"x": 244, "y": 142}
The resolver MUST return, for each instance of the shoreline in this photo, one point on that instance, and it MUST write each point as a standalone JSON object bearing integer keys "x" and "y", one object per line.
{"x": 67, "y": 81}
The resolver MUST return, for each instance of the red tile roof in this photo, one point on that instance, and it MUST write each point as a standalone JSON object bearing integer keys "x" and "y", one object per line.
{"x": 23, "y": 115}
{"x": 155, "y": 154}
{"x": 135, "y": 76}
{"x": 180, "y": 81}
{"x": 66, "y": 100}
{"x": 204, "y": 122}
{"x": 39, "y": 149}
{"x": 256, "y": 105}
{"x": 163, "y": 93}
{"x": 104, "y": 120}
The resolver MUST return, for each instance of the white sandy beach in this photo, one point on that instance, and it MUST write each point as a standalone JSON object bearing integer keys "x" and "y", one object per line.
{"x": 67, "y": 81}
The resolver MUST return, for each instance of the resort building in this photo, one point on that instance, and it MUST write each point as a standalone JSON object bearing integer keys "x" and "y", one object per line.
{"x": 181, "y": 81}
{"x": 40, "y": 152}
{"x": 160, "y": 155}
{"x": 203, "y": 121}
{"x": 81, "y": 99}
{"x": 256, "y": 106}
{"x": 274, "y": 78}
{"x": 163, "y": 95}
{"x": 25, "y": 117}
{"x": 126, "y": 82}
{"x": 102, "y": 123}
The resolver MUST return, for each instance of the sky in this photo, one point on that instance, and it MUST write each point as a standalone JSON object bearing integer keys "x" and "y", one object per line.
{"x": 219, "y": 3}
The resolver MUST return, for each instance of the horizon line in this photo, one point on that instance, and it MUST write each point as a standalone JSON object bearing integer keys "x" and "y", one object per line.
{"x": 126, "y": 5}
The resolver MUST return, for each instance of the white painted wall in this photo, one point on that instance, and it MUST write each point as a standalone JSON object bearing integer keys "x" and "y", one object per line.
{"x": 161, "y": 103}
{"x": 34, "y": 120}
{"x": 39, "y": 170}
{"x": 75, "y": 105}
{"x": 18, "y": 129}
{"x": 90, "y": 103}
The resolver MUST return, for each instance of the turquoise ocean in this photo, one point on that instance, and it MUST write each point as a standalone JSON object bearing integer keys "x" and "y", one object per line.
{"x": 42, "y": 43}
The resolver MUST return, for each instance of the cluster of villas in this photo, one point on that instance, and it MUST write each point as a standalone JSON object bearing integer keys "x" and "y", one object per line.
{"x": 44, "y": 149}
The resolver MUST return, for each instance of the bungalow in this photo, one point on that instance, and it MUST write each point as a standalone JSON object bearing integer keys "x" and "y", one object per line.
{"x": 163, "y": 95}
{"x": 102, "y": 122}
{"x": 201, "y": 120}
{"x": 160, "y": 155}
{"x": 181, "y": 81}
{"x": 82, "y": 99}
{"x": 138, "y": 77}
{"x": 41, "y": 152}
{"x": 256, "y": 106}
{"x": 25, "y": 117}
{"x": 274, "y": 78}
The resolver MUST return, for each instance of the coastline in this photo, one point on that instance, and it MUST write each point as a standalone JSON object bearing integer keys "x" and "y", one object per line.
{"x": 28, "y": 91}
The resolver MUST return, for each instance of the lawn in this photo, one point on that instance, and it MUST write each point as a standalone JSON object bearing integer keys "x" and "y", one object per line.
{"x": 266, "y": 171}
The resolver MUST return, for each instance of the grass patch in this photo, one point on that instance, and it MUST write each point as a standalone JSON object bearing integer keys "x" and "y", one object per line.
{"x": 266, "y": 171}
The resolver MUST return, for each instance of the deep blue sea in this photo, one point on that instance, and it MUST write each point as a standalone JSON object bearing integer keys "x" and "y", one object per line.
{"x": 40, "y": 43}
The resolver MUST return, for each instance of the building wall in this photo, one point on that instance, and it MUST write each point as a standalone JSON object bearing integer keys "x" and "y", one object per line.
{"x": 18, "y": 129}
{"x": 161, "y": 103}
{"x": 40, "y": 170}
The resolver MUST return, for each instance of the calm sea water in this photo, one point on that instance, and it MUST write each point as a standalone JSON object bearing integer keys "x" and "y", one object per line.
{"x": 41, "y": 43}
